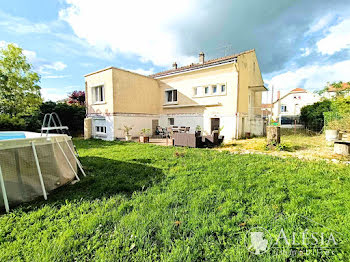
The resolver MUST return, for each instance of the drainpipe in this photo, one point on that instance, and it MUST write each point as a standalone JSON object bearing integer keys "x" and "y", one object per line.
{"x": 237, "y": 94}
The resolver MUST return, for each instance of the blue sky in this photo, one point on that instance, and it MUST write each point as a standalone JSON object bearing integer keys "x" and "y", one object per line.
{"x": 298, "y": 43}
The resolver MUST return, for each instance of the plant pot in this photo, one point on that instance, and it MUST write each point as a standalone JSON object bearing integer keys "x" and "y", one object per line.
{"x": 127, "y": 137}
{"x": 144, "y": 139}
{"x": 331, "y": 135}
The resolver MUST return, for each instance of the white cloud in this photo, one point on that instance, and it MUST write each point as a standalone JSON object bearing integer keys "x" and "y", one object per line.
{"x": 312, "y": 77}
{"x": 21, "y": 25}
{"x": 320, "y": 24}
{"x": 55, "y": 66}
{"x": 141, "y": 71}
{"x": 337, "y": 39}
{"x": 55, "y": 76}
{"x": 143, "y": 28}
{"x": 306, "y": 51}
{"x": 52, "y": 94}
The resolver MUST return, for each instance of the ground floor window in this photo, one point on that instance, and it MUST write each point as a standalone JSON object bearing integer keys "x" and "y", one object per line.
{"x": 171, "y": 121}
{"x": 101, "y": 129}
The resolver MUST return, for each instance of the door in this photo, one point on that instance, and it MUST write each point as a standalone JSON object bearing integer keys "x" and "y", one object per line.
{"x": 215, "y": 124}
{"x": 155, "y": 123}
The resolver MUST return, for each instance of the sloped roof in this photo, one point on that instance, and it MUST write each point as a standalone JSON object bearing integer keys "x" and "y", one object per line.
{"x": 334, "y": 89}
{"x": 298, "y": 90}
{"x": 266, "y": 105}
{"x": 208, "y": 63}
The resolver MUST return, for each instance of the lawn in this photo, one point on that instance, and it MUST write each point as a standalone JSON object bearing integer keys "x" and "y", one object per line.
{"x": 144, "y": 202}
{"x": 301, "y": 144}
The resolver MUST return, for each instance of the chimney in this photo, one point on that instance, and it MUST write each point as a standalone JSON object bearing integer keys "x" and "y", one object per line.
{"x": 174, "y": 65}
{"x": 201, "y": 58}
{"x": 278, "y": 95}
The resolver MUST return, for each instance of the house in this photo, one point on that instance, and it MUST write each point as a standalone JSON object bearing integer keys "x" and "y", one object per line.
{"x": 223, "y": 93}
{"x": 332, "y": 90}
{"x": 286, "y": 109}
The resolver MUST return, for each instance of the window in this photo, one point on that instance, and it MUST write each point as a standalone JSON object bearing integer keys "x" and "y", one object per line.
{"x": 171, "y": 96}
{"x": 99, "y": 94}
{"x": 101, "y": 129}
{"x": 171, "y": 121}
{"x": 223, "y": 88}
{"x": 206, "y": 90}
{"x": 214, "y": 89}
{"x": 283, "y": 108}
{"x": 196, "y": 91}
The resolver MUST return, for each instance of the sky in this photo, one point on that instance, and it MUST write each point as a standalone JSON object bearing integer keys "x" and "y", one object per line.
{"x": 298, "y": 43}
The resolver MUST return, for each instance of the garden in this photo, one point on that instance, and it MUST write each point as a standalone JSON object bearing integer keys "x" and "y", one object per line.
{"x": 141, "y": 202}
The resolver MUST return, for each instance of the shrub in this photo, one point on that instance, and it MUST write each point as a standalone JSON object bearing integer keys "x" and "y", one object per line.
{"x": 8, "y": 123}
{"x": 70, "y": 115}
{"x": 312, "y": 115}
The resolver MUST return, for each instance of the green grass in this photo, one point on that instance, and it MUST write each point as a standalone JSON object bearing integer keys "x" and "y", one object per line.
{"x": 144, "y": 203}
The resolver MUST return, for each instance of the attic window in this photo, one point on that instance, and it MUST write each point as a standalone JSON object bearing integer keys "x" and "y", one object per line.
{"x": 223, "y": 88}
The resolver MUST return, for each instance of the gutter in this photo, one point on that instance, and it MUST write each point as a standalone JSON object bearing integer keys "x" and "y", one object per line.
{"x": 237, "y": 94}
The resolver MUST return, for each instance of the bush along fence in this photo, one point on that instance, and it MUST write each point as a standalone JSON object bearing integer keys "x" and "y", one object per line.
{"x": 70, "y": 115}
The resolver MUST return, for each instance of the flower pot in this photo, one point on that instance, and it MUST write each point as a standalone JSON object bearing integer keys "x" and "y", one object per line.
{"x": 198, "y": 133}
{"x": 144, "y": 139}
{"x": 127, "y": 137}
{"x": 331, "y": 135}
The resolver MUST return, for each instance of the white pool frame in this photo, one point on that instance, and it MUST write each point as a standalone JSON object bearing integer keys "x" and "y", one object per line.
{"x": 36, "y": 139}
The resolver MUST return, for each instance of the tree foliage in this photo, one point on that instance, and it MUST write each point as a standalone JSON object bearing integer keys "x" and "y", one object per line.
{"x": 19, "y": 90}
{"x": 77, "y": 98}
{"x": 70, "y": 115}
{"x": 312, "y": 115}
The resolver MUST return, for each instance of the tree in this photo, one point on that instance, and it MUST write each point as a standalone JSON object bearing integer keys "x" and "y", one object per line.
{"x": 19, "y": 92}
{"x": 77, "y": 98}
{"x": 312, "y": 115}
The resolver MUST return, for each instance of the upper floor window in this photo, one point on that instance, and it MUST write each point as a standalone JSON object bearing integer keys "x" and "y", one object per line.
{"x": 223, "y": 88}
{"x": 214, "y": 89}
{"x": 171, "y": 96}
{"x": 283, "y": 108}
{"x": 99, "y": 94}
{"x": 196, "y": 91}
{"x": 206, "y": 90}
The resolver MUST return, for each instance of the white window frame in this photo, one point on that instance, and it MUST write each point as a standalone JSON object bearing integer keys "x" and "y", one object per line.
{"x": 210, "y": 88}
{"x": 172, "y": 96}
{"x": 223, "y": 92}
{"x": 97, "y": 96}
{"x": 169, "y": 121}
{"x": 285, "y": 108}
{"x": 101, "y": 130}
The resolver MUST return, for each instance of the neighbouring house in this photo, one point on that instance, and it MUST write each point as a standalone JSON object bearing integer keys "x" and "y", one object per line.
{"x": 223, "y": 93}
{"x": 332, "y": 91}
{"x": 286, "y": 109}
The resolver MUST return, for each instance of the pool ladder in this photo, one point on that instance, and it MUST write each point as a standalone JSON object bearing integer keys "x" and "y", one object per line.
{"x": 53, "y": 122}
{"x": 50, "y": 123}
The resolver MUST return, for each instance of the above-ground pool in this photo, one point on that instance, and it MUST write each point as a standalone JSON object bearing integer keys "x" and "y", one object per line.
{"x": 11, "y": 135}
{"x": 32, "y": 165}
